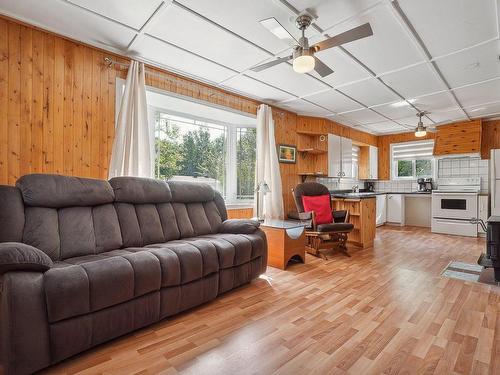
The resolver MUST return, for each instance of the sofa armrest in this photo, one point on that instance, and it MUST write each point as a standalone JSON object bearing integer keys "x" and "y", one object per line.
{"x": 16, "y": 256}
{"x": 239, "y": 226}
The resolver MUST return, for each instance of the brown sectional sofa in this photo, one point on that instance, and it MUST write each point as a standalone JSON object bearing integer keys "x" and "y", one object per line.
{"x": 83, "y": 261}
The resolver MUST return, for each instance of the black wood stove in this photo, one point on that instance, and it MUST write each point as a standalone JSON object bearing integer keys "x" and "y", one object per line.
{"x": 491, "y": 259}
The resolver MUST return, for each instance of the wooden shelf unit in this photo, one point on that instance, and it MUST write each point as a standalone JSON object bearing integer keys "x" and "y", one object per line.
{"x": 313, "y": 153}
{"x": 362, "y": 216}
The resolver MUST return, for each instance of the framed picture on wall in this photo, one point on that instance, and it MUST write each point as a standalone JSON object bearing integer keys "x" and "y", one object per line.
{"x": 287, "y": 154}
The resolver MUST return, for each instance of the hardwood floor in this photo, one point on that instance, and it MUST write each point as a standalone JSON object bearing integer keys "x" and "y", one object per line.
{"x": 384, "y": 310}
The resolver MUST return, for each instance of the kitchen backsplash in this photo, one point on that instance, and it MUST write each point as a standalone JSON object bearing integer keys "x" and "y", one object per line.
{"x": 343, "y": 184}
{"x": 447, "y": 167}
{"x": 464, "y": 167}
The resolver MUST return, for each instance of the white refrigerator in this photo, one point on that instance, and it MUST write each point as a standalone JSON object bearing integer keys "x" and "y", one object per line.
{"x": 494, "y": 182}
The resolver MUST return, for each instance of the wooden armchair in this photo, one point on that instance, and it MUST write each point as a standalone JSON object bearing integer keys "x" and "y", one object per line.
{"x": 321, "y": 237}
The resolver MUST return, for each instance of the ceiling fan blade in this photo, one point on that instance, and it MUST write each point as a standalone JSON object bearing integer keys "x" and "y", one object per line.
{"x": 349, "y": 36}
{"x": 269, "y": 64}
{"x": 321, "y": 68}
{"x": 273, "y": 25}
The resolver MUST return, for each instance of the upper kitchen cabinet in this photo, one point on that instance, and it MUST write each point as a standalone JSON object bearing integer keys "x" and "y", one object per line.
{"x": 339, "y": 156}
{"x": 458, "y": 138}
{"x": 368, "y": 163}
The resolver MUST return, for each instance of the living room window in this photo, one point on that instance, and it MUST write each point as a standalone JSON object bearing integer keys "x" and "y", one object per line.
{"x": 203, "y": 150}
{"x": 411, "y": 160}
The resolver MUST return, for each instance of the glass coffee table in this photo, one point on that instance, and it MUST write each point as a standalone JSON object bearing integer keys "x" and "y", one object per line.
{"x": 286, "y": 239}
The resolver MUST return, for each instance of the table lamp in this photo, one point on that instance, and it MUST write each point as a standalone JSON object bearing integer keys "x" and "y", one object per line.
{"x": 261, "y": 190}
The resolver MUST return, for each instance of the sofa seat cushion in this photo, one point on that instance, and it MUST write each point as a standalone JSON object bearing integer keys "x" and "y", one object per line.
{"x": 90, "y": 283}
{"x": 235, "y": 249}
{"x": 197, "y": 258}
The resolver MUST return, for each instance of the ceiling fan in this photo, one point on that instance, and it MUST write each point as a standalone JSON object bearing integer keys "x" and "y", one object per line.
{"x": 303, "y": 57}
{"x": 421, "y": 130}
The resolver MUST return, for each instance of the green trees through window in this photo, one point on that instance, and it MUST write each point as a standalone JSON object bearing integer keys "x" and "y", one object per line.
{"x": 196, "y": 150}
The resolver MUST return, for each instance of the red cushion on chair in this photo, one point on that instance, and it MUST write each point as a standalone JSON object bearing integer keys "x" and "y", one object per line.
{"x": 320, "y": 204}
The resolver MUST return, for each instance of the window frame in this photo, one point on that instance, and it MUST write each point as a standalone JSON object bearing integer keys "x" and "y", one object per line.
{"x": 394, "y": 165}
{"x": 230, "y": 194}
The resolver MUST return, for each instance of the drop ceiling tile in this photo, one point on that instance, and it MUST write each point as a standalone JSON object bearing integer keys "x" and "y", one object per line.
{"x": 369, "y": 92}
{"x": 66, "y": 19}
{"x": 184, "y": 29}
{"x": 344, "y": 68}
{"x": 303, "y": 107}
{"x": 389, "y": 47}
{"x": 412, "y": 121}
{"x": 334, "y": 101}
{"x": 344, "y": 120}
{"x": 396, "y": 110}
{"x": 479, "y": 94}
{"x": 450, "y": 25}
{"x": 385, "y": 127}
{"x": 490, "y": 109}
{"x": 329, "y": 13}
{"x": 440, "y": 101}
{"x": 284, "y": 77}
{"x": 250, "y": 86}
{"x": 133, "y": 13}
{"x": 174, "y": 58}
{"x": 364, "y": 116}
{"x": 445, "y": 117}
{"x": 415, "y": 81}
{"x": 243, "y": 16}
{"x": 471, "y": 66}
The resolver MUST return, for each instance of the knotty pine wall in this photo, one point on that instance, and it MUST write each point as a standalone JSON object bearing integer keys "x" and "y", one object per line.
{"x": 56, "y": 105}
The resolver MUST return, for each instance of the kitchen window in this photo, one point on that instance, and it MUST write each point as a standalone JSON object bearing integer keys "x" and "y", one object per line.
{"x": 199, "y": 150}
{"x": 412, "y": 160}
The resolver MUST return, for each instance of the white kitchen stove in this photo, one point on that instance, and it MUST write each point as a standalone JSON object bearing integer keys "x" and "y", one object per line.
{"x": 454, "y": 204}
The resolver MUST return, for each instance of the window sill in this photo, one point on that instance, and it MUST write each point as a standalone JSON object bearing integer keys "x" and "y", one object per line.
{"x": 238, "y": 205}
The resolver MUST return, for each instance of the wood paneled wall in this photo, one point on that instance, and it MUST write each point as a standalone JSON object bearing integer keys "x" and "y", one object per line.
{"x": 490, "y": 137}
{"x": 57, "y": 103}
{"x": 458, "y": 138}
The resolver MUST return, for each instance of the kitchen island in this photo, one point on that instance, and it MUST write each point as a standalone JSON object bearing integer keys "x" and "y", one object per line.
{"x": 361, "y": 208}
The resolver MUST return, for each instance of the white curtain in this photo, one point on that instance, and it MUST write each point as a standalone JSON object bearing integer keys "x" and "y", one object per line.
{"x": 267, "y": 165}
{"x": 131, "y": 155}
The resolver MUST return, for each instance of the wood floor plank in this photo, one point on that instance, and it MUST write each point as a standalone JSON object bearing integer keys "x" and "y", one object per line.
{"x": 385, "y": 310}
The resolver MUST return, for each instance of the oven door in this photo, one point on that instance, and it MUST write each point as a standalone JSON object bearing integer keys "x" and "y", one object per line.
{"x": 454, "y": 205}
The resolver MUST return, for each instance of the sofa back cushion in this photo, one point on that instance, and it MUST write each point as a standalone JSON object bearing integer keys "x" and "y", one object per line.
{"x": 69, "y": 216}
{"x": 152, "y": 211}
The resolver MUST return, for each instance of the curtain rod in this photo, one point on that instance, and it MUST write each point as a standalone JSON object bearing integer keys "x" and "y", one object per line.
{"x": 108, "y": 61}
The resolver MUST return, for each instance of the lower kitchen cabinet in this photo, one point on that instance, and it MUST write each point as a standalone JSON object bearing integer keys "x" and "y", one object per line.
{"x": 395, "y": 209}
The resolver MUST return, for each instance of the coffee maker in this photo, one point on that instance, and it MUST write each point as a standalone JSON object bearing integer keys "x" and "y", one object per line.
{"x": 424, "y": 185}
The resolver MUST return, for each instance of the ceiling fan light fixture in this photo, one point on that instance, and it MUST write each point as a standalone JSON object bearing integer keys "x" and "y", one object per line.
{"x": 303, "y": 64}
{"x": 420, "y": 132}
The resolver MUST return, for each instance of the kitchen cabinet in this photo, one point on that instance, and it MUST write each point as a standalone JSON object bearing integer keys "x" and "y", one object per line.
{"x": 395, "y": 209}
{"x": 368, "y": 163}
{"x": 381, "y": 211}
{"x": 373, "y": 163}
{"x": 482, "y": 211}
{"x": 339, "y": 156}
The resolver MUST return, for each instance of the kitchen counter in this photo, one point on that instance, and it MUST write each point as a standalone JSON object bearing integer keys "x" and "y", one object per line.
{"x": 370, "y": 194}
